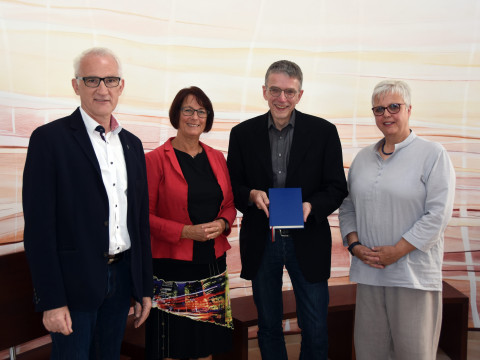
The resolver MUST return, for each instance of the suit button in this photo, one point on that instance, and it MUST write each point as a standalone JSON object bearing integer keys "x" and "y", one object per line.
{"x": 105, "y": 223}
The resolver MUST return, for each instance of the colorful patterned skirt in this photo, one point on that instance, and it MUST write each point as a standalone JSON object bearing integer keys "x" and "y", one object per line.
{"x": 191, "y": 314}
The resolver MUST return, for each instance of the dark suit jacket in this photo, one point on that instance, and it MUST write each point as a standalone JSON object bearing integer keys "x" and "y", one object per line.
{"x": 315, "y": 165}
{"x": 66, "y": 212}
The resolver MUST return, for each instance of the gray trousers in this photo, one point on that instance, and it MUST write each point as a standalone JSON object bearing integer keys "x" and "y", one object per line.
{"x": 397, "y": 323}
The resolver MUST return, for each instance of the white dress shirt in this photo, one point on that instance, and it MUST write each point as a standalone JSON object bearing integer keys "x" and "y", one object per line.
{"x": 111, "y": 159}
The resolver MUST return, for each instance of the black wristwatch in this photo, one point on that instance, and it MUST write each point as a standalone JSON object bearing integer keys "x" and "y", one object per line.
{"x": 352, "y": 245}
{"x": 227, "y": 225}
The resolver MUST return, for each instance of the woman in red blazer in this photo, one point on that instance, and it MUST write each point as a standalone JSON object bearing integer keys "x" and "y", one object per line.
{"x": 191, "y": 213}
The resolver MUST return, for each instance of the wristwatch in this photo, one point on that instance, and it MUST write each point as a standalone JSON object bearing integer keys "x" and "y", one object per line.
{"x": 227, "y": 225}
{"x": 352, "y": 245}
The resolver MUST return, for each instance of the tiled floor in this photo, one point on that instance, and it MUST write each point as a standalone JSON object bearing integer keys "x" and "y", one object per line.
{"x": 293, "y": 348}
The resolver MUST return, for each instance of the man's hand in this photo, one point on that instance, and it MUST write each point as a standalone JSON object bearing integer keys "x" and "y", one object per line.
{"x": 307, "y": 209}
{"x": 141, "y": 311}
{"x": 58, "y": 320}
{"x": 260, "y": 199}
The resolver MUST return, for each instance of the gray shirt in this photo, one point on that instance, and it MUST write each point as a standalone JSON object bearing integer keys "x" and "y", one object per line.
{"x": 280, "y": 144}
{"x": 409, "y": 195}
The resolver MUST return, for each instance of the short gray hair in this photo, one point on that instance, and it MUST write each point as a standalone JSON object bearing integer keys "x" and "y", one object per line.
{"x": 392, "y": 87}
{"x": 286, "y": 67}
{"x": 99, "y": 51}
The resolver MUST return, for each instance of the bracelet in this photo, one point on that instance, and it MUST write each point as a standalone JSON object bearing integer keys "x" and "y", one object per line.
{"x": 352, "y": 245}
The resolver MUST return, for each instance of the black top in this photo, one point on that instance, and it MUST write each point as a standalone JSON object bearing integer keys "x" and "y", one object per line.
{"x": 204, "y": 199}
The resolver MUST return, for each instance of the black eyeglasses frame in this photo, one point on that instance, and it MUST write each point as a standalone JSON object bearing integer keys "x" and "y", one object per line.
{"x": 86, "y": 78}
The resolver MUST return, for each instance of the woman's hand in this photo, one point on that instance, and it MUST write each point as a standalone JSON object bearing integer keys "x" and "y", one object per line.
{"x": 391, "y": 254}
{"x": 204, "y": 232}
{"x": 364, "y": 253}
{"x": 368, "y": 256}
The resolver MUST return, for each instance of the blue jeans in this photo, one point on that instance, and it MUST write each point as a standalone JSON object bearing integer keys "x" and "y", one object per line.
{"x": 98, "y": 334}
{"x": 311, "y": 298}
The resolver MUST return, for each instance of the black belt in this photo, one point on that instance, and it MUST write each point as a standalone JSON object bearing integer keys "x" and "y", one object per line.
{"x": 284, "y": 232}
{"x": 112, "y": 259}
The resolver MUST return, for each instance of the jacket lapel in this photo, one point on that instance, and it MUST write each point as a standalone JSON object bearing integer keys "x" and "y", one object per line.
{"x": 129, "y": 156}
{"x": 263, "y": 148}
{"x": 170, "y": 155}
{"x": 300, "y": 145}
{"x": 80, "y": 134}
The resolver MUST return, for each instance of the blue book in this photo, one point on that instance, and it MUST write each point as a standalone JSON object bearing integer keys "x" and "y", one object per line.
{"x": 286, "y": 211}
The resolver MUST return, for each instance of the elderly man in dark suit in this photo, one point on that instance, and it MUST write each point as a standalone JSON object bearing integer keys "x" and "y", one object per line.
{"x": 85, "y": 202}
{"x": 286, "y": 148}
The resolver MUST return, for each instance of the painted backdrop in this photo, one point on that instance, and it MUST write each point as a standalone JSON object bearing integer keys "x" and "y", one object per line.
{"x": 344, "y": 48}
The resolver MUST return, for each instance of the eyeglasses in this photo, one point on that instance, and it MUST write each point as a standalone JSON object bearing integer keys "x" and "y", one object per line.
{"x": 276, "y": 92}
{"x": 94, "y": 81}
{"x": 392, "y": 109}
{"x": 188, "y": 111}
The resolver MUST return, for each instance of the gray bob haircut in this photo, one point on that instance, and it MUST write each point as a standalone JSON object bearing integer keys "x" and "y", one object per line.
{"x": 392, "y": 87}
{"x": 286, "y": 67}
{"x": 99, "y": 51}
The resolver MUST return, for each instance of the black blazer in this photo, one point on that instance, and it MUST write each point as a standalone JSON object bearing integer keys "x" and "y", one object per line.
{"x": 315, "y": 165}
{"x": 66, "y": 213}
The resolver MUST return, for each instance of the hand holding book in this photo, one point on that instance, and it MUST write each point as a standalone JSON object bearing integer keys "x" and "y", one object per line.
{"x": 260, "y": 199}
{"x": 307, "y": 209}
{"x": 286, "y": 208}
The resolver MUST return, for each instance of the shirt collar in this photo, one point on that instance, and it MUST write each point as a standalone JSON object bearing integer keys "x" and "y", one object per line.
{"x": 290, "y": 122}
{"x": 398, "y": 146}
{"x": 91, "y": 124}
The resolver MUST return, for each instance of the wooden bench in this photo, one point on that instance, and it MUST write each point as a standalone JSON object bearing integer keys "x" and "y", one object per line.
{"x": 340, "y": 325}
{"x": 20, "y": 322}
{"x": 341, "y": 315}
{"x": 454, "y": 334}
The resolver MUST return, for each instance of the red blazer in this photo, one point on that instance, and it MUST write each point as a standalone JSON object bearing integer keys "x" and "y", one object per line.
{"x": 168, "y": 191}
